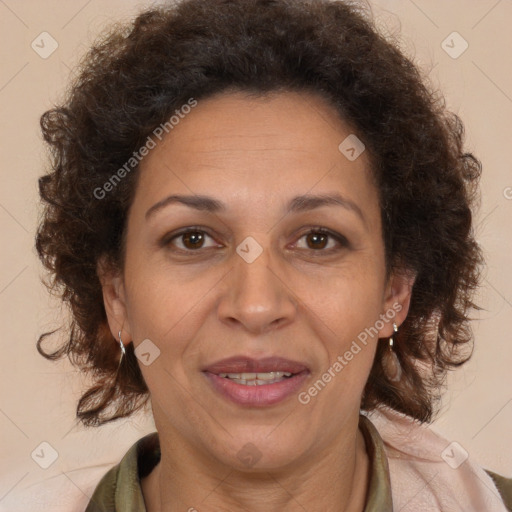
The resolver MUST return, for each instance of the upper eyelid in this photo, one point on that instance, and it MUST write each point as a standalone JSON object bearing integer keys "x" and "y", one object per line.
{"x": 340, "y": 238}
{"x": 167, "y": 239}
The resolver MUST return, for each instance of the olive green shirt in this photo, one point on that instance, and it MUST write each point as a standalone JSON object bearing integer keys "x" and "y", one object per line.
{"x": 120, "y": 489}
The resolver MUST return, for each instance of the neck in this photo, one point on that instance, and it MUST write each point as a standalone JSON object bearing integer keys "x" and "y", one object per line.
{"x": 333, "y": 479}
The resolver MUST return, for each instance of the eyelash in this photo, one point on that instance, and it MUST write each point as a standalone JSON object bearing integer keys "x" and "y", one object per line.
{"x": 342, "y": 241}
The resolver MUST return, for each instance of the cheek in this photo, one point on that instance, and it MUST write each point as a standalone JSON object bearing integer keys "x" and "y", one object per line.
{"x": 344, "y": 313}
{"x": 157, "y": 306}
{"x": 346, "y": 317}
{"x": 164, "y": 300}
{"x": 347, "y": 298}
{"x": 167, "y": 304}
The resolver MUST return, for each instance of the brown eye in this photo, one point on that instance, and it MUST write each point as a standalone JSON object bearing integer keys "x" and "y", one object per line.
{"x": 317, "y": 240}
{"x": 188, "y": 240}
{"x": 193, "y": 240}
{"x": 322, "y": 240}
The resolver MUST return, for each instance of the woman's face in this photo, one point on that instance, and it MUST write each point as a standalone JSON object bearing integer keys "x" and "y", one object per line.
{"x": 254, "y": 180}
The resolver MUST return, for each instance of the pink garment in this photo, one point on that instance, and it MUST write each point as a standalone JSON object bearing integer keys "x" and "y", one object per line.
{"x": 421, "y": 479}
{"x": 429, "y": 473}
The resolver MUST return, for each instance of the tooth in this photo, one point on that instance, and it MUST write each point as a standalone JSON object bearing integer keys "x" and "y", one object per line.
{"x": 269, "y": 375}
{"x": 256, "y": 379}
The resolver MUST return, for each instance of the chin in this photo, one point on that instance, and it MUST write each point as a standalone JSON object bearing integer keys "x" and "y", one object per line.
{"x": 257, "y": 454}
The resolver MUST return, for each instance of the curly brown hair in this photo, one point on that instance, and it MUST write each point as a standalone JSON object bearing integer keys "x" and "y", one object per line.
{"x": 137, "y": 75}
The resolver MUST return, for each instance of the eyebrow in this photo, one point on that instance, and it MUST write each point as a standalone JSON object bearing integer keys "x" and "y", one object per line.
{"x": 297, "y": 204}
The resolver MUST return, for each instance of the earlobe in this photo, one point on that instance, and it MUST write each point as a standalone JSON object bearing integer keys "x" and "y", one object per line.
{"x": 397, "y": 299}
{"x": 114, "y": 300}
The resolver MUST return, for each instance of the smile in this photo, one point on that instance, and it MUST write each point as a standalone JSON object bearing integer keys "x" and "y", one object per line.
{"x": 256, "y": 379}
{"x": 251, "y": 390}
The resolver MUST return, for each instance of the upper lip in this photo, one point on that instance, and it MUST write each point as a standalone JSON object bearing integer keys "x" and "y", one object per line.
{"x": 244, "y": 364}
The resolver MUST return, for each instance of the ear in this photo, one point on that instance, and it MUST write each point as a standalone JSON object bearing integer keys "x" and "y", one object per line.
{"x": 397, "y": 299}
{"x": 114, "y": 300}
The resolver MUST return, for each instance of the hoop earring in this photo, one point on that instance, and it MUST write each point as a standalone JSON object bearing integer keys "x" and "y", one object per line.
{"x": 123, "y": 349}
{"x": 390, "y": 361}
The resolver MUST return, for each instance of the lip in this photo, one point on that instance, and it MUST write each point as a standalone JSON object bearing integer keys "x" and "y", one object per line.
{"x": 244, "y": 364}
{"x": 256, "y": 396}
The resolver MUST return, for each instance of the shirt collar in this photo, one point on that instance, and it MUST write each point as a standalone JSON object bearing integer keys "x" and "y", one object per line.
{"x": 121, "y": 485}
{"x": 379, "y": 484}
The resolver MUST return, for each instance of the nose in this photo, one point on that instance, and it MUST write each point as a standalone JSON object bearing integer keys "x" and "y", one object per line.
{"x": 258, "y": 297}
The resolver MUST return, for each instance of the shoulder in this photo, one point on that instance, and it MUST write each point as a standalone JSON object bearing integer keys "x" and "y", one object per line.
{"x": 428, "y": 470}
{"x": 120, "y": 489}
{"x": 504, "y": 486}
{"x": 103, "y": 497}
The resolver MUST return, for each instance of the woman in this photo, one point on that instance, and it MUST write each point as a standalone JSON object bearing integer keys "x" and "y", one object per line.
{"x": 261, "y": 219}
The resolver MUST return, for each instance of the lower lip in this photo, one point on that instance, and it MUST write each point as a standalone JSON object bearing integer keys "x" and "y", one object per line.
{"x": 257, "y": 396}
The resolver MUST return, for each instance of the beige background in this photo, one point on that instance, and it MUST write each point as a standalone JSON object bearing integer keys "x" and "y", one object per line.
{"x": 38, "y": 398}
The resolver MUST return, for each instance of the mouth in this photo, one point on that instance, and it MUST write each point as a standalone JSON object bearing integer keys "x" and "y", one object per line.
{"x": 256, "y": 382}
{"x": 244, "y": 364}
{"x": 256, "y": 379}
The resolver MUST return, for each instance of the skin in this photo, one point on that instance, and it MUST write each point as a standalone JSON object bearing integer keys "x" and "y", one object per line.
{"x": 303, "y": 298}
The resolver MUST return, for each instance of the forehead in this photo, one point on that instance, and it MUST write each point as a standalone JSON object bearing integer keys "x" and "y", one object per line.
{"x": 297, "y": 122}
{"x": 257, "y": 149}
